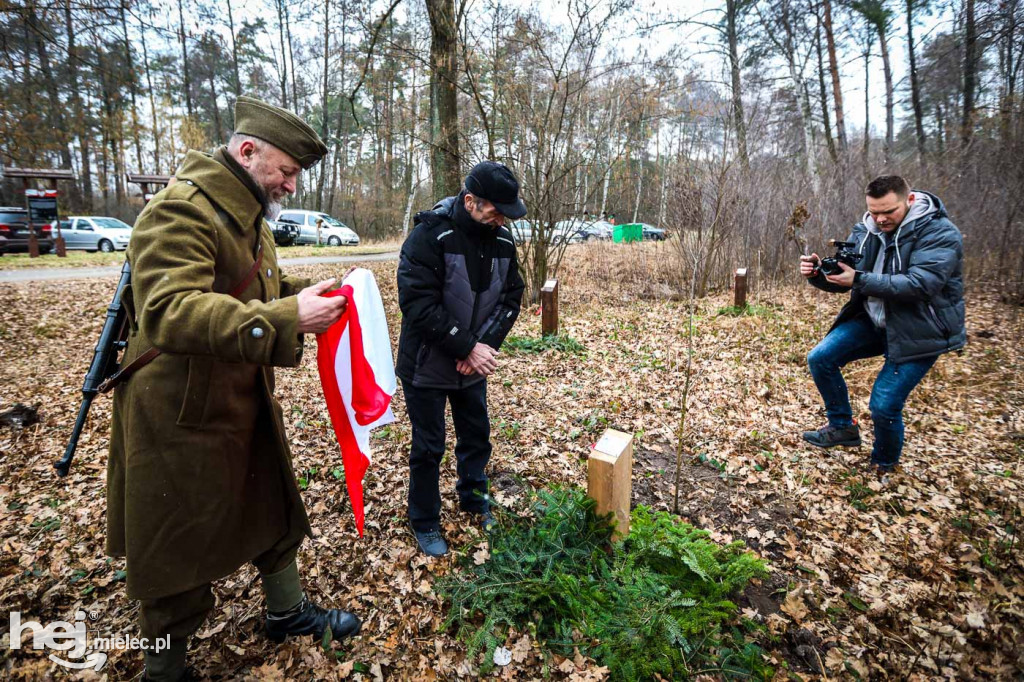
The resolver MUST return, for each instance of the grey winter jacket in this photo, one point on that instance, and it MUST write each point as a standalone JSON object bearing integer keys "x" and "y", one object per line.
{"x": 921, "y": 283}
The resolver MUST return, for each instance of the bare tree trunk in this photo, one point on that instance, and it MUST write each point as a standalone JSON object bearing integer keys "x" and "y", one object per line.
{"x": 639, "y": 190}
{"x": 77, "y": 110}
{"x": 823, "y": 93}
{"x": 284, "y": 52}
{"x": 868, "y": 41}
{"x": 799, "y": 92}
{"x": 444, "y": 152}
{"x": 218, "y": 134}
{"x": 324, "y": 116}
{"x": 887, "y": 72}
{"x": 970, "y": 72}
{"x": 837, "y": 91}
{"x": 291, "y": 57}
{"x": 184, "y": 59}
{"x": 739, "y": 120}
{"x": 234, "y": 52}
{"x": 149, "y": 87}
{"x": 130, "y": 76}
{"x": 915, "y": 89}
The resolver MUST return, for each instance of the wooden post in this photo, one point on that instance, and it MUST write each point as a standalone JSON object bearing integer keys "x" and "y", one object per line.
{"x": 549, "y": 308}
{"x": 33, "y": 242}
{"x": 741, "y": 289}
{"x": 610, "y": 477}
{"x": 60, "y": 246}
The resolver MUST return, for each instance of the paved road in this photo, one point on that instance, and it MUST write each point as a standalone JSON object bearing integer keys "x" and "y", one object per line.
{"x": 45, "y": 274}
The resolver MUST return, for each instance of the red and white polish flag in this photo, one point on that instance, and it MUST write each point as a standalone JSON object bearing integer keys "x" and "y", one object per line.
{"x": 357, "y": 373}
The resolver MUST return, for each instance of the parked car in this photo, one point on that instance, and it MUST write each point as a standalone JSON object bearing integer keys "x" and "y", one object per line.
{"x": 653, "y": 233}
{"x": 570, "y": 231}
{"x": 14, "y": 227}
{"x": 522, "y": 230}
{"x": 599, "y": 229}
{"x": 3, "y": 245}
{"x": 95, "y": 233}
{"x": 284, "y": 233}
{"x": 333, "y": 232}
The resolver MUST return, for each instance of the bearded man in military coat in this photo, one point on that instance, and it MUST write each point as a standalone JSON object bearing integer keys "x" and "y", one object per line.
{"x": 200, "y": 478}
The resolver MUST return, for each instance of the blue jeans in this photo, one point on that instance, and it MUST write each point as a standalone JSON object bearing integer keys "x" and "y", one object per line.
{"x": 858, "y": 339}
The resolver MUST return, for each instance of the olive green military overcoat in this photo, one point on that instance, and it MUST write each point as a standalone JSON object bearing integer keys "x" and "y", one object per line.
{"x": 199, "y": 477}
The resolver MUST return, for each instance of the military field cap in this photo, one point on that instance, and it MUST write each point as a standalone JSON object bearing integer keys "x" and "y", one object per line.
{"x": 279, "y": 127}
{"x": 495, "y": 182}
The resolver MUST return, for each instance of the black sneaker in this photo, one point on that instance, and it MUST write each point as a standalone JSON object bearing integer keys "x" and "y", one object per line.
{"x": 431, "y": 542}
{"x": 829, "y": 436}
{"x": 309, "y": 619}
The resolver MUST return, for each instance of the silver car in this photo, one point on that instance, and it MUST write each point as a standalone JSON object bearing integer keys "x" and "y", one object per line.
{"x": 95, "y": 233}
{"x": 333, "y": 232}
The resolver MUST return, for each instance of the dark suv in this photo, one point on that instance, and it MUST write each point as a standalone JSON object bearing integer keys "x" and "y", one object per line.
{"x": 14, "y": 226}
{"x": 284, "y": 233}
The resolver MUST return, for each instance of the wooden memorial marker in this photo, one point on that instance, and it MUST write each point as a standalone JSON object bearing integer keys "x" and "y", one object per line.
{"x": 51, "y": 176}
{"x": 549, "y": 308}
{"x": 741, "y": 289}
{"x": 610, "y": 478}
{"x": 151, "y": 184}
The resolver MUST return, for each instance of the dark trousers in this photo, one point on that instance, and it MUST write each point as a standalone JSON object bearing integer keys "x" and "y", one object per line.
{"x": 472, "y": 449}
{"x": 180, "y": 615}
{"x": 855, "y": 340}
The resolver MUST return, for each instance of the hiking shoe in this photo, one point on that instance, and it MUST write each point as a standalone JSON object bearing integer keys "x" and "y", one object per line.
{"x": 829, "y": 436}
{"x": 309, "y": 619}
{"x": 430, "y": 542}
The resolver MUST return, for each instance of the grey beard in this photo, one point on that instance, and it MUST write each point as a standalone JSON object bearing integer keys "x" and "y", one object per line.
{"x": 272, "y": 209}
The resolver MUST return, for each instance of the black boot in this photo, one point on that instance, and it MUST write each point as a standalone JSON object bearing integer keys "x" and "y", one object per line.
{"x": 168, "y": 665}
{"x": 306, "y": 618}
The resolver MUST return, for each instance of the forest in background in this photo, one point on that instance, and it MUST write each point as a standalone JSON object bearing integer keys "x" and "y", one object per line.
{"x": 728, "y": 124}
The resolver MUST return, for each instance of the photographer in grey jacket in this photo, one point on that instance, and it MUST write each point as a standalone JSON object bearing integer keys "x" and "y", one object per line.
{"x": 906, "y": 303}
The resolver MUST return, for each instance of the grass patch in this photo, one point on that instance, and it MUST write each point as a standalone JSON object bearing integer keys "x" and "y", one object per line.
{"x": 656, "y": 604}
{"x": 560, "y": 343}
{"x": 749, "y": 310}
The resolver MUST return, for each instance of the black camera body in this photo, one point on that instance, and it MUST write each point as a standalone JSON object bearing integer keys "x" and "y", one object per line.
{"x": 845, "y": 253}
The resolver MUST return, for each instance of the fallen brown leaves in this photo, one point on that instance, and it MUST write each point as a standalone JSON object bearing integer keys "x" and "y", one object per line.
{"x": 921, "y": 579}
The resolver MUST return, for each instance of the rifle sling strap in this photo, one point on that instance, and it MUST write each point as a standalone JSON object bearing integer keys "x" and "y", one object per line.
{"x": 138, "y": 363}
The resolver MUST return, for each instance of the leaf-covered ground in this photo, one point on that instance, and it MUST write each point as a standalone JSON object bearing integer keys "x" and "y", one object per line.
{"x": 922, "y": 579}
{"x": 85, "y": 259}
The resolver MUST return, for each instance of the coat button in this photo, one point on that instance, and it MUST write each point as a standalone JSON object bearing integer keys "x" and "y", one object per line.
{"x": 269, "y": 272}
{"x": 257, "y": 332}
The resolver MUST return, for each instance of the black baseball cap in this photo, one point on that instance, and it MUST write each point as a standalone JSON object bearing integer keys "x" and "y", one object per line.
{"x": 494, "y": 182}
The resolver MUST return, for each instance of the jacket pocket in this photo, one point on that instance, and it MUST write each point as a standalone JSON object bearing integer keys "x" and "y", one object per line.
{"x": 937, "y": 321}
{"x": 193, "y": 405}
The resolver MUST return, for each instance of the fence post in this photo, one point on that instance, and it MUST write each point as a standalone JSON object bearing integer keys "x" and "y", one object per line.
{"x": 549, "y": 308}
{"x": 610, "y": 478}
{"x": 741, "y": 289}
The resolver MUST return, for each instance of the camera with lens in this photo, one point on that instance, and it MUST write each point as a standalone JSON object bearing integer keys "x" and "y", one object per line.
{"x": 845, "y": 253}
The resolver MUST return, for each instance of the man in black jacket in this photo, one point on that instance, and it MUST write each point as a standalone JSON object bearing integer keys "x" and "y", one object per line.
{"x": 459, "y": 290}
{"x": 906, "y": 303}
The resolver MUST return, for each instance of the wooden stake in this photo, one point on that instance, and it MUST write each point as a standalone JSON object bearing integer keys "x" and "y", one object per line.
{"x": 549, "y": 308}
{"x": 610, "y": 477}
{"x": 741, "y": 289}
